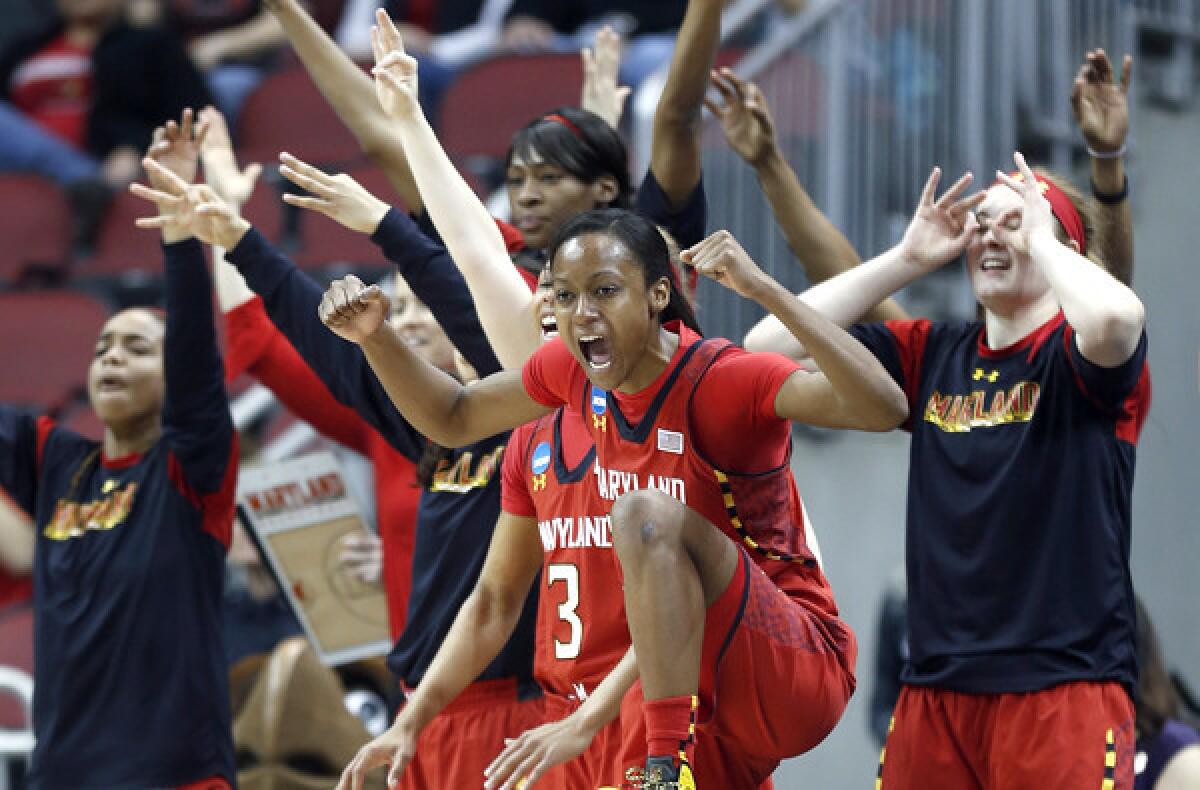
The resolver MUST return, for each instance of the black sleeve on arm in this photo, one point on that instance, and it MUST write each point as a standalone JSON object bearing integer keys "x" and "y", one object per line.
{"x": 686, "y": 223}
{"x": 196, "y": 421}
{"x": 18, "y": 456}
{"x": 435, "y": 279}
{"x": 291, "y": 299}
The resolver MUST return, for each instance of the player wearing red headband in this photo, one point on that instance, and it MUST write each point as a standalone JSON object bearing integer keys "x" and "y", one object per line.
{"x": 1024, "y": 427}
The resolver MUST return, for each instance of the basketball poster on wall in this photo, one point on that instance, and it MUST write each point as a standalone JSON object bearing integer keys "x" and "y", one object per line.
{"x": 300, "y": 513}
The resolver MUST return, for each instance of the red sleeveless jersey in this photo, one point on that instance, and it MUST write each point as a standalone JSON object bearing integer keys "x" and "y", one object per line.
{"x": 581, "y": 628}
{"x": 760, "y": 511}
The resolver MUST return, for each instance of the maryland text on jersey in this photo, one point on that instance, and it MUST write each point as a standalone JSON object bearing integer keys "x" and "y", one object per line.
{"x": 569, "y": 532}
{"x": 978, "y": 409}
{"x": 74, "y": 519}
{"x": 613, "y": 482}
{"x": 464, "y": 474}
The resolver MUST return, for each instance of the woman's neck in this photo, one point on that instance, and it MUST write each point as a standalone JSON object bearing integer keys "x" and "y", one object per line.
{"x": 658, "y": 354}
{"x": 133, "y": 437}
{"x": 1005, "y": 329}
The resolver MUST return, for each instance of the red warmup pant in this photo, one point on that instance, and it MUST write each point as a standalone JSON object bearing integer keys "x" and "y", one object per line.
{"x": 775, "y": 678}
{"x": 1076, "y": 735}
{"x": 465, "y": 737}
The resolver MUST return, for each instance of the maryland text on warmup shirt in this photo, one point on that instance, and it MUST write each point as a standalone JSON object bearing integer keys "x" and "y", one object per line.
{"x": 1020, "y": 484}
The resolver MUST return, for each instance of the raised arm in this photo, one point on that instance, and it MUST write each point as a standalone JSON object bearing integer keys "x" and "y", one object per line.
{"x": 424, "y": 264}
{"x": 1102, "y": 111}
{"x": 196, "y": 421}
{"x": 256, "y": 37}
{"x": 601, "y": 64}
{"x": 351, "y": 94}
{"x": 291, "y": 299}
{"x": 675, "y": 144}
{"x": 501, "y": 295}
{"x": 483, "y": 626}
{"x": 234, "y": 186}
{"x": 750, "y": 130}
{"x": 853, "y": 390}
{"x": 937, "y": 234}
{"x": 1107, "y": 316}
{"x": 439, "y": 406}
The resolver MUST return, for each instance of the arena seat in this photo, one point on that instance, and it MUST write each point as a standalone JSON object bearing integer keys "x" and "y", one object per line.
{"x": 48, "y": 341}
{"x": 324, "y": 242}
{"x": 122, "y": 247}
{"x": 35, "y": 225}
{"x": 490, "y": 101}
{"x": 287, "y": 113}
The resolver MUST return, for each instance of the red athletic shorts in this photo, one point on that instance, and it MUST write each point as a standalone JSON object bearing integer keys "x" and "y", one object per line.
{"x": 1076, "y": 735}
{"x": 774, "y": 680}
{"x": 603, "y": 764}
{"x": 465, "y": 737}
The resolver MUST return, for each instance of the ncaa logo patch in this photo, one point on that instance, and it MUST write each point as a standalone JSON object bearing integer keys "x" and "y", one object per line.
{"x": 599, "y": 400}
{"x": 541, "y": 458}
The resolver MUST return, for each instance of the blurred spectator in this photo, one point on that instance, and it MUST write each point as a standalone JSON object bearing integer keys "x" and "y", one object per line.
{"x": 20, "y": 16}
{"x": 234, "y": 43}
{"x": 80, "y": 97}
{"x": 647, "y": 26}
{"x": 1168, "y": 745}
{"x": 445, "y": 37}
{"x": 257, "y": 616}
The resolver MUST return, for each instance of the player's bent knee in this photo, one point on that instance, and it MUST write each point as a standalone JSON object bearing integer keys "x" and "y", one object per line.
{"x": 644, "y": 519}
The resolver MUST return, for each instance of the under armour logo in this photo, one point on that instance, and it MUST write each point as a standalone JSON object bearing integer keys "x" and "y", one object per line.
{"x": 539, "y": 482}
{"x": 991, "y": 377}
{"x": 600, "y": 422}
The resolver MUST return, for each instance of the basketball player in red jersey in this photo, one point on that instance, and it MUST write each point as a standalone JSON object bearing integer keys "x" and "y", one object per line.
{"x": 676, "y": 420}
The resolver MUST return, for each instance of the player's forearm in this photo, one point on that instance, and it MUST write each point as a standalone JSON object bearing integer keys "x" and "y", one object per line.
{"x": 17, "y": 538}
{"x": 482, "y": 628}
{"x": 501, "y": 296}
{"x": 844, "y": 300}
{"x": 815, "y": 241}
{"x": 862, "y": 386}
{"x": 1114, "y": 221}
{"x": 675, "y": 147}
{"x": 604, "y": 704}
{"x": 231, "y": 288}
{"x": 251, "y": 38}
{"x": 351, "y": 94}
{"x": 1107, "y": 316}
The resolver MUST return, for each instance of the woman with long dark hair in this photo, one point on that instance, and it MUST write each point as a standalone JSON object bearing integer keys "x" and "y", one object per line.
{"x": 727, "y": 576}
{"x": 132, "y": 533}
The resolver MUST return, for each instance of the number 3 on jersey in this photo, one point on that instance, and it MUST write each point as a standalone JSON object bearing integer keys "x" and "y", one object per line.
{"x": 568, "y": 574}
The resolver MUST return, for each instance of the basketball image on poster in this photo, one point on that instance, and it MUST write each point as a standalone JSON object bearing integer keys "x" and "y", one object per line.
{"x": 301, "y": 514}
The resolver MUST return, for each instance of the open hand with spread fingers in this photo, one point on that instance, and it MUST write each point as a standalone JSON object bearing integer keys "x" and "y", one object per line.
{"x": 186, "y": 210}
{"x": 395, "y": 748}
{"x": 745, "y": 117}
{"x": 601, "y": 94}
{"x": 176, "y": 147}
{"x": 940, "y": 229}
{"x": 1018, "y": 225}
{"x": 353, "y": 310}
{"x": 1101, "y": 104}
{"x": 395, "y": 70}
{"x": 221, "y": 171}
{"x": 721, "y": 258}
{"x": 528, "y": 757}
{"x": 338, "y": 197}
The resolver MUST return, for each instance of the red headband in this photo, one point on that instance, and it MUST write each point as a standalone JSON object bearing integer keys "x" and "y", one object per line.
{"x": 556, "y": 118}
{"x": 1062, "y": 208}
